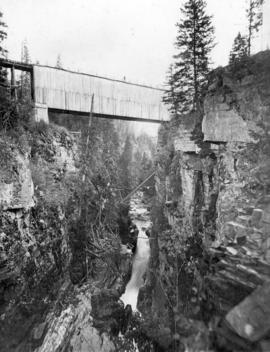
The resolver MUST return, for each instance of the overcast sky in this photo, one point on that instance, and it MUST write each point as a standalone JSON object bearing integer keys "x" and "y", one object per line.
{"x": 115, "y": 38}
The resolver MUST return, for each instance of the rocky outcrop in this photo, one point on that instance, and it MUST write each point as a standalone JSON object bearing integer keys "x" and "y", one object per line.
{"x": 72, "y": 329}
{"x": 43, "y": 256}
{"x": 16, "y": 185}
{"x": 34, "y": 251}
{"x": 213, "y": 193}
{"x": 85, "y": 318}
{"x": 250, "y": 319}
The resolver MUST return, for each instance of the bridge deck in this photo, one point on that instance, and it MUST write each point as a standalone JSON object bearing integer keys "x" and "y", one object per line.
{"x": 16, "y": 65}
{"x": 62, "y": 90}
{"x": 72, "y": 91}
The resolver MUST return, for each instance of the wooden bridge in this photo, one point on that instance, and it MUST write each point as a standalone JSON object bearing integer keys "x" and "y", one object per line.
{"x": 63, "y": 91}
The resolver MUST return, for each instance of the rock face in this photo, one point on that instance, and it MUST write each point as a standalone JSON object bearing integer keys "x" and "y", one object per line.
{"x": 222, "y": 124}
{"x": 251, "y": 318}
{"x": 16, "y": 185}
{"x": 210, "y": 243}
{"x": 73, "y": 329}
{"x": 34, "y": 251}
{"x": 40, "y": 308}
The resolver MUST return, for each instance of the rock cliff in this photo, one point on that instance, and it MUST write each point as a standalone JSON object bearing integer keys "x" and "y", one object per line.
{"x": 210, "y": 246}
{"x": 41, "y": 308}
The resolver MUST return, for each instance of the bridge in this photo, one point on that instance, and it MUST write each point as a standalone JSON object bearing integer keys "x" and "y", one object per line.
{"x": 65, "y": 91}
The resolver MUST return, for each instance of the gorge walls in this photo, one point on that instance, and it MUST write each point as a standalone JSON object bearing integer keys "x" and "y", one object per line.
{"x": 210, "y": 244}
{"x": 60, "y": 275}
{"x": 34, "y": 249}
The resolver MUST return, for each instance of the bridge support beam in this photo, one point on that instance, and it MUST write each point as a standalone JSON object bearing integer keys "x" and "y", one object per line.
{"x": 41, "y": 112}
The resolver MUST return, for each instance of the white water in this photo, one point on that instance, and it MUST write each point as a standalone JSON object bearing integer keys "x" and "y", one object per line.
{"x": 140, "y": 217}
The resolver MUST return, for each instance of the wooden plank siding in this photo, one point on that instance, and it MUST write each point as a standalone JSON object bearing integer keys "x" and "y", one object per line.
{"x": 71, "y": 91}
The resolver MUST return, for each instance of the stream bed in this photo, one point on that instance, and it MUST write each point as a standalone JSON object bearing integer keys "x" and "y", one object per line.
{"x": 141, "y": 218}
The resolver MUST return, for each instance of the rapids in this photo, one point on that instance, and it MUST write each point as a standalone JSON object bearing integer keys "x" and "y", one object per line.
{"x": 141, "y": 218}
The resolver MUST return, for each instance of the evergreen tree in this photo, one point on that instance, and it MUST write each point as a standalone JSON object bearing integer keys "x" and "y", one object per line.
{"x": 25, "y": 55}
{"x": 3, "y": 52}
{"x": 25, "y": 76}
{"x": 12, "y": 111}
{"x": 4, "y": 93}
{"x": 173, "y": 96}
{"x": 254, "y": 16}
{"x": 99, "y": 170}
{"x": 239, "y": 49}
{"x": 59, "y": 62}
{"x": 194, "y": 43}
{"x": 125, "y": 166}
{"x": 3, "y": 36}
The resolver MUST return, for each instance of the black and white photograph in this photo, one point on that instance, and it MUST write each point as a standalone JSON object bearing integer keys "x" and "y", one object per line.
{"x": 134, "y": 176}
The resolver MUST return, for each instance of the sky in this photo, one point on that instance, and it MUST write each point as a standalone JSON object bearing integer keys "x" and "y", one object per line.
{"x": 112, "y": 38}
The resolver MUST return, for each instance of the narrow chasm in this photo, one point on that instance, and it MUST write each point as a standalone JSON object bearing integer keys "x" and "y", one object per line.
{"x": 73, "y": 239}
{"x": 114, "y": 240}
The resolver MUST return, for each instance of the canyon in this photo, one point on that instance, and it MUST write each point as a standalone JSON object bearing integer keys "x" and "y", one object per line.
{"x": 206, "y": 284}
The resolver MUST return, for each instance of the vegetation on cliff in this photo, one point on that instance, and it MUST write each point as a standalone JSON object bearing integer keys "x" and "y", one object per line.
{"x": 60, "y": 220}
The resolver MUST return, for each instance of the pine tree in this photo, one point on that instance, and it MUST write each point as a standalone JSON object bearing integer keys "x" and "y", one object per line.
{"x": 254, "y": 16}
{"x": 25, "y": 77}
{"x": 173, "y": 97}
{"x": 25, "y": 55}
{"x": 59, "y": 62}
{"x": 3, "y": 36}
{"x": 191, "y": 64}
{"x": 4, "y": 95}
{"x": 3, "y": 52}
{"x": 125, "y": 166}
{"x": 239, "y": 49}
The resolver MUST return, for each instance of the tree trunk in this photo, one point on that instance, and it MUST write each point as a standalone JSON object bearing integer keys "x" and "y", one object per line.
{"x": 195, "y": 78}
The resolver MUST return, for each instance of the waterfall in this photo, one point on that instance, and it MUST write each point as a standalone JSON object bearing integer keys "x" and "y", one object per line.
{"x": 141, "y": 218}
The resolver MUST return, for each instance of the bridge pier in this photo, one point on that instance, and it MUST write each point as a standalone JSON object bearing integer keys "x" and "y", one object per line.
{"x": 41, "y": 112}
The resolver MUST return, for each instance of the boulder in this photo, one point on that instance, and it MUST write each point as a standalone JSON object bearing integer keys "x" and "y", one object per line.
{"x": 251, "y": 318}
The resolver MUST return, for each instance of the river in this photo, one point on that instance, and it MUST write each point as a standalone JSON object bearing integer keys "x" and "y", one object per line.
{"x": 141, "y": 218}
